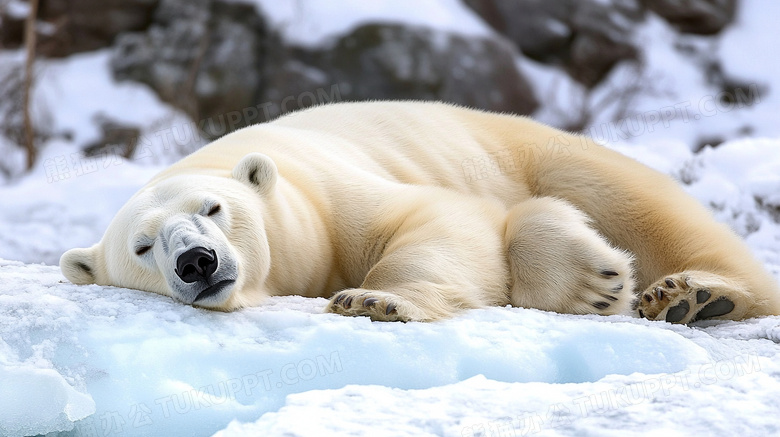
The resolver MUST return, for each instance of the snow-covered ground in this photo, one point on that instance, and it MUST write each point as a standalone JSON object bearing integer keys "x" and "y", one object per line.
{"x": 103, "y": 361}
{"x": 125, "y": 362}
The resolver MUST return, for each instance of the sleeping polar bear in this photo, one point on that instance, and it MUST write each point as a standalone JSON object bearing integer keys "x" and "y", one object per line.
{"x": 415, "y": 211}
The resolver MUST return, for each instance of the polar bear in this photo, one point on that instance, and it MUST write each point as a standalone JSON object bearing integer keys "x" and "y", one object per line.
{"x": 415, "y": 211}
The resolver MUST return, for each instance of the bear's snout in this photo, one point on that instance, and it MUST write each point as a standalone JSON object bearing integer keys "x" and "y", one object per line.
{"x": 196, "y": 263}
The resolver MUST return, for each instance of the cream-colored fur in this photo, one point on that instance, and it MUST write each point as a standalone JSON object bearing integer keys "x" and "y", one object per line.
{"x": 559, "y": 263}
{"x": 414, "y": 211}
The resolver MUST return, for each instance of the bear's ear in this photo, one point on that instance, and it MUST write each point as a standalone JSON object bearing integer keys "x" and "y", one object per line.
{"x": 78, "y": 265}
{"x": 257, "y": 170}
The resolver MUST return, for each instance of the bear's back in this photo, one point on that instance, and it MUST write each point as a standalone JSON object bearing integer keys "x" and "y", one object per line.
{"x": 368, "y": 143}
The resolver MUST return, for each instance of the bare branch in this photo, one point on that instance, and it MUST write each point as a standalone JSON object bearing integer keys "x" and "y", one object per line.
{"x": 29, "y": 43}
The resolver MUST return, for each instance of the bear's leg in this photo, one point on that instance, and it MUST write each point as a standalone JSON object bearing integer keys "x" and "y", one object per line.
{"x": 669, "y": 233}
{"x": 559, "y": 263}
{"x": 444, "y": 254}
{"x": 695, "y": 295}
{"x": 424, "y": 283}
{"x": 418, "y": 302}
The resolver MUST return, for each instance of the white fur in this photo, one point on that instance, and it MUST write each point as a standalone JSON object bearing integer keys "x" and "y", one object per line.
{"x": 396, "y": 208}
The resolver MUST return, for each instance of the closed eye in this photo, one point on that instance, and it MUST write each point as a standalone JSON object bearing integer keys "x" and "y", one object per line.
{"x": 142, "y": 250}
{"x": 214, "y": 210}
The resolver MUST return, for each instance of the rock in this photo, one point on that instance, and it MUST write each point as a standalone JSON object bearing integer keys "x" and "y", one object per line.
{"x": 204, "y": 56}
{"x": 72, "y": 26}
{"x": 117, "y": 139}
{"x": 704, "y": 17}
{"x": 384, "y": 61}
{"x": 586, "y": 37}
{"x": 83, "y": 25}
{"x": 293, "y": 84}
{"x": 11, "y": 27}
{"x": 539, "y": 28}
{"x": 218, "y": 62}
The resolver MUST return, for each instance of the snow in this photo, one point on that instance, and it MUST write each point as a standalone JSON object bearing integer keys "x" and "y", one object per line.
{"x": 749, "y": 52}
{"x": 73, "y": 95}
{"x": 681, "y": 102}
{"x": 41, "y": 217}
{"x": 136, "y": 363}
{"x": 17, "y": 9}
{"x": 48, "y": 404}
{"x": 668, "y": 93}
{"x": 79, "y": 90}
{"x": 67, "y": 200}
{"x": 754, "y": 25}
{"x": 636, "y": 404}
{"x": 92, "y": 360}
{"x": 313, "y": 23}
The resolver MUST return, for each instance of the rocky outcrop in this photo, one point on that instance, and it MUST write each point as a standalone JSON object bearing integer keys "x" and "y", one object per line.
{"x": 586, "y": 37}
{"x": 202, "y": 56}
{"x": 704, "y": 17}
{"x": 212, "y": 58}
{"x": 384, "y": 61}
{"x": 116, "y": 139}
{"x": 589, "y": 37}
{"x": 11, "y": 29}
{"x": 73, "y": 26}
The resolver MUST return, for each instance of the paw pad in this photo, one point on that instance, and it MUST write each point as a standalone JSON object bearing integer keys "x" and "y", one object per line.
{"x": 678, "y": 312}
{"x": 719, "y": 307}
{"x": 678, "y": 299}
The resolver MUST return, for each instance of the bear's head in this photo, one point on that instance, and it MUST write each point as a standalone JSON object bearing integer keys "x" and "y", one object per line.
{"x": 197, "y": 238}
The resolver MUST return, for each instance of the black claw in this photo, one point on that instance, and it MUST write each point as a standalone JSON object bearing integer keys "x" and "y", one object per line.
{"x": 340, "y": 298}
{"x": 601, "y": 305}
{"x": 390, "y": 309}
{"x": 648, "y": 298}
{"x": 641, "y": 314}
{"x": 670, "y": 283}
{"x": 348, "y": 302}
{"x": 678, "y": 312}
{"x": 617, "y": 289}
{"x": 702, "y": 296}
{"x": 370, "y": 302}
{"x": 659, "y": 292}
{"x": 714, "y": 309}
{"x": 609, "y": 273}
{"x": 606, "y": 296}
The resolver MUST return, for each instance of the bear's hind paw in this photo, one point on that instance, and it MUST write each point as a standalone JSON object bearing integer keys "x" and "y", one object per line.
{"x": 687, "y": 297}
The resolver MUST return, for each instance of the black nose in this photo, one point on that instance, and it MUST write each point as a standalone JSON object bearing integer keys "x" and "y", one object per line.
{"x": 196, "y": 263}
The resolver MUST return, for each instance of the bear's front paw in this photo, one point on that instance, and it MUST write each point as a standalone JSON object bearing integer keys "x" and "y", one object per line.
{"x": 379, "y": 305}
{"x": 686, "y": 298}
